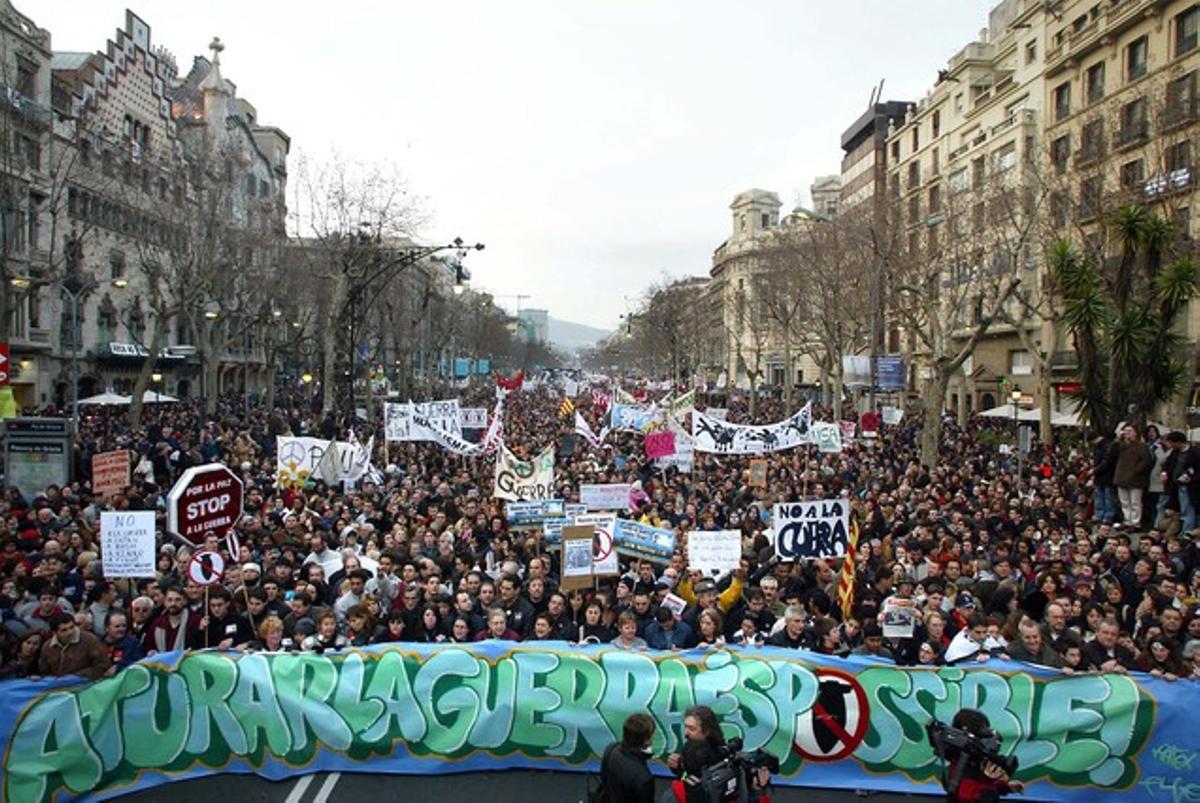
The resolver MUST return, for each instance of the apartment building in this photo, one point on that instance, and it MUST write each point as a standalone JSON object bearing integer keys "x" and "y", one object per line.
{"x": 966, "y": 182}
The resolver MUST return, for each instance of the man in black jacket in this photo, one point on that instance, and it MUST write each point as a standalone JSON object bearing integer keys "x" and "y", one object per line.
{"x": 623, "y": 772}
{"x": 1179, "y": 473}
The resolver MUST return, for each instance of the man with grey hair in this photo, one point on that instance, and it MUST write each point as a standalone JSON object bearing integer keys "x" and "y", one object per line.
{"x": 1031, "y": 648}
{"x": 792, "y": 633}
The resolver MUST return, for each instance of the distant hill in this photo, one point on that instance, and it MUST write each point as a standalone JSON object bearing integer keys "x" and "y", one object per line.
{"x": 568, "y": 335}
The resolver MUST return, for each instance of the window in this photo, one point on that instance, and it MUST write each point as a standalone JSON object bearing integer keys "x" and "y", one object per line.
{"x": 914, "y": 209}
{"x": 894, "y": 186}
{"x": 1058, "y": 209}
{"x": 959, "y": 180}
{"x": 916, "y": 136}
{"x": 1019, "y": 363}
{"x": 766, "y": 219}
{"x": 935, "y": 168}
{"x": 1005, "y": 158}
{"x": 958, "y": 103}
{"x": 896, "y": 150}
{"x": 1180, "y": 106}
{"x": 1062, "y": 101}
{"x": 1133, "y": 174}
{"x": 1187, "y": 25}
{"x": 28, "y": 152}
{"x": 1095, "y": 82}
{"x": 1060, "y": 153}
{"x": 137, "y": 324}
{"x": 1135, "y": 58}
{"x": 252, "y": 190}
{"x": 1091, "y": 141}
{"x": 937, "y": 123}
{"x": 85, "y": 153}
{"x": 26, "y": 77}
{"x": 1178, "y": 156}
{"x": 978, "y": 173}
{"x": 1133, "y": 122}
{"x": 935, "y": 200}
{"x": 116, "y": 264}
{"x": 914, "y": 174}
{"x": 1090, "y": 192}
{"x": 106, "y": 321}
{"x": 1031, "y": 52}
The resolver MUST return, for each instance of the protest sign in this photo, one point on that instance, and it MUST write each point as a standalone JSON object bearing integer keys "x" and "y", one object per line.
{"x": 637, "y": 540}
{"x": 614, "y": 496}
{"x": 847, "y": 431}
{"x": 827, "y": 436}
{"x": 660, "y": 444}
{"x": 892, "y": 416}
{"x": 577, "y": 558}
{"x": 529, "y": 515}
{"x": 127, "y": 543}
{"x": 604, "y": 553}
{"x": 518, "y": 479}
{"x": 684, "y": 457}
{"x": 805, "y": 530}
{"x": 472, "y": 417}
{"x": 552, "y": 530}
{"x": 675, "y": 604}
{"x": 719, "y": 413}
{"x": 110, "y": 473}
{"x": 714, "y": 551}
{"x": 844, "y": 723}
{"x": 638, "y": 419}
{"x": 758, "y": 473}
{"x": 899, "y": 618}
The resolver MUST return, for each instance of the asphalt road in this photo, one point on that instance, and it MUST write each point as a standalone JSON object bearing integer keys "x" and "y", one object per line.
{"x": 485, "y": 787}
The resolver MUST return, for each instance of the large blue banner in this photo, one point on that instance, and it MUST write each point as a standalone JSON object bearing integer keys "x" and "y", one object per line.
{"x": 851, "y": 723}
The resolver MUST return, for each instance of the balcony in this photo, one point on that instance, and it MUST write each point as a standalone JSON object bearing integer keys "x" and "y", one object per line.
{"x": 33, "y": 114}
{"x": 1179, "y": 112}
{"x": 1177, "y": 180}
{"x": 1133, "y": 133}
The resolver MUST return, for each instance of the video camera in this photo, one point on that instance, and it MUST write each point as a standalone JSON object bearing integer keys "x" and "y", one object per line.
{"x": 731, "y": 778}
{"x": 953, "y": 744}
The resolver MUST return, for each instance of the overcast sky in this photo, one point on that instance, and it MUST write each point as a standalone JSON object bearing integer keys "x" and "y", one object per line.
{"x": 592, "y": 146}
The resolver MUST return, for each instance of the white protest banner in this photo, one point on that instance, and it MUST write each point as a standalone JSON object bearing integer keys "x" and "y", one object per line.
{"x": 892, "y": 416}
{"x": 712, "y": 435}
{"x": 604, "y": 552}
{"x": 827, "y": 436}
{"x": 296, "y": 459}
{"x": 714, "y": 551}
{"x": 719, "y": 413}
{"x": 127, "y": 543}
{"x": 806, "y": 530}
{"x": 472, "y": 417}
{"x": 614, "y": 496}
{"x": 518, "y": 480}
{"x": 400, "y": 420}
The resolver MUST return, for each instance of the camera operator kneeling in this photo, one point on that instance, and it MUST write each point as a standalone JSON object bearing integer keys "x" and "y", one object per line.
{"x": 977, "y": 771}
{"x": 713, "y": 771}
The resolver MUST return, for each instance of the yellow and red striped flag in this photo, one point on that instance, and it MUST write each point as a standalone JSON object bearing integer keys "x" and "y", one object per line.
{"x": 846, "y": 583}
{"x": 566, "y": 408}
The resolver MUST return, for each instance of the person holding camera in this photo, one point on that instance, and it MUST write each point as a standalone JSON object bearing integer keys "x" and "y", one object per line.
{"x": 977, "y": 771}
{"x": 623, "y": 772}
{"x": 704, "y": 747}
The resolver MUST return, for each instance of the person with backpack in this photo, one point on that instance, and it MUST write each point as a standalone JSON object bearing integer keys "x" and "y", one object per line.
{"x": 624, "y": 776}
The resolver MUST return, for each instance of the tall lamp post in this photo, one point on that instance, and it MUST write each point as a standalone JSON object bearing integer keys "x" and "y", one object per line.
{"x": 1015, "y": 398}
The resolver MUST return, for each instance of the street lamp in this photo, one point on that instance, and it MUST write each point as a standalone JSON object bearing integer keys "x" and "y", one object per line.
{"x": 1015, "y": 398}
{"x": 306, "y": 378}
{"x": 157, "y": 379}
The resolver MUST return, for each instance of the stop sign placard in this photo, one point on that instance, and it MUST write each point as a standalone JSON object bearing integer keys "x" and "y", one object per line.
{"x": 207, "y": 500}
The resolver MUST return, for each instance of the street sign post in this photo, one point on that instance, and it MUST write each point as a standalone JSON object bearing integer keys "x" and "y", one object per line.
{"x": 207, "y": 500}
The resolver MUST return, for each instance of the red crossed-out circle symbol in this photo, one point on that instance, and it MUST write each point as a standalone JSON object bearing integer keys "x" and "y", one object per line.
{"x": 602, "y": 544}
{"x": 837, "y": 722}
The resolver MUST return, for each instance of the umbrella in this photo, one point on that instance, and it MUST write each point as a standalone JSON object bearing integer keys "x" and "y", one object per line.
{"x": 1003, "y": 411}
{"x": 150, "y": 397}
{"x": 107, "y": 398}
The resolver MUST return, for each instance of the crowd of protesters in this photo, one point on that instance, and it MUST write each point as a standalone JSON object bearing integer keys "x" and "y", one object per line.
{"x": 1083, "y": 560}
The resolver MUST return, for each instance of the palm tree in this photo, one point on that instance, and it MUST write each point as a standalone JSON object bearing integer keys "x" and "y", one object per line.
{"x": 1124, "y": 316}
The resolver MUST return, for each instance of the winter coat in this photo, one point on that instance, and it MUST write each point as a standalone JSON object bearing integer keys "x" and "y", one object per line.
{"x": 1133, "y": 463}
{"x": 84, "y": 655}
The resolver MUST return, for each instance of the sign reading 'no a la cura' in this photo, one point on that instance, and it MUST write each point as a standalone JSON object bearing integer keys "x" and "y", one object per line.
{"x": 805, "y": 530}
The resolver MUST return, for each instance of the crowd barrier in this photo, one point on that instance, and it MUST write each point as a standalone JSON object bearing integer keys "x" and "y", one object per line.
{"x": 834, "y": 723}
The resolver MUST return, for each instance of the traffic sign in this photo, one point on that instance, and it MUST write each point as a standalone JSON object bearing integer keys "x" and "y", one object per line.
{"x": 207, "y": 500}
{"x": 4, "y": 367}
{"x": 206, "y": 568}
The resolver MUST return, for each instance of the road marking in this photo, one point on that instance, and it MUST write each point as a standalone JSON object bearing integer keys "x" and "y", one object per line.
{"x": 327, "y": 787}
{"x": 297, "y": 793}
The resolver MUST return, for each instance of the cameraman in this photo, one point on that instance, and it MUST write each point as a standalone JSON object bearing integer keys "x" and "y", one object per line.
{"x": 704, "y": 746}
{"x": 974, "y": 779}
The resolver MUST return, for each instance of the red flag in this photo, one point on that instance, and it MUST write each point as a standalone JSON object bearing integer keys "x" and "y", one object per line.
{"x": 511, "y": 384}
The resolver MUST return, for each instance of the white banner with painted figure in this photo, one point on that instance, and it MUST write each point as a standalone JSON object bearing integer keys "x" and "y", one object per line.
{"x": 827, "y": 436}
{"x": 712, "y": 435}
{"x": 518, "y": 480}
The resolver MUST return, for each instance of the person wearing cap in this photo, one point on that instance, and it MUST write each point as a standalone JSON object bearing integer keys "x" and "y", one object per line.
{"x": 702, "y": 593}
